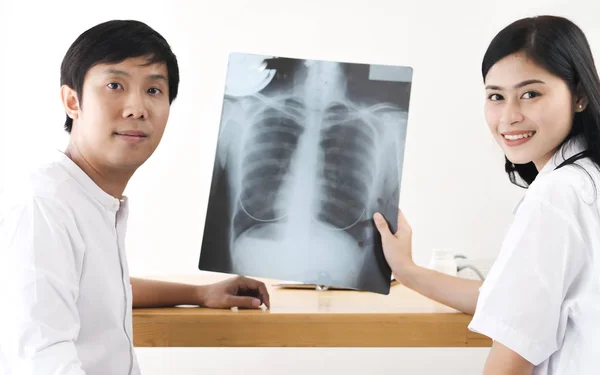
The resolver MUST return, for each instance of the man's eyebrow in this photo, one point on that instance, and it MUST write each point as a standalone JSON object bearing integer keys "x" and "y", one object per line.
{"x": 158, "y": 77}
{"x": 116, "y": 72}
{"x": 152, "y": 77}
{"x": 518, "y": 85}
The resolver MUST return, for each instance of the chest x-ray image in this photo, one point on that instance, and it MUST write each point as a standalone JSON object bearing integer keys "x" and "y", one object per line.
{"x": 307, "y": 152}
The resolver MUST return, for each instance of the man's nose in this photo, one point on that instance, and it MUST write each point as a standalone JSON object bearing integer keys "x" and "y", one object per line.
{"x": 135, "y": 107}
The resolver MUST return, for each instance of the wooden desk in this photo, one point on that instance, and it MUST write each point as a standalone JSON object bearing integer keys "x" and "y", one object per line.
{"x": 309, "y": 318}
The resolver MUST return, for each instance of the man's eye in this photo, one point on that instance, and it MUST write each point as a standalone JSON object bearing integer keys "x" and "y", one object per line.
{"x": 114, "y": 86}
{"x": 154, "y": 91}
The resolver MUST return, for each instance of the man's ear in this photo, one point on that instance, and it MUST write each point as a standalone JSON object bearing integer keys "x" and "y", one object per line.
{"x": 70, "y": 101}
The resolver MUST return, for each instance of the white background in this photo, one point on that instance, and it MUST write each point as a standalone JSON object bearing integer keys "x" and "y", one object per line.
{"x": 454, "y": 190}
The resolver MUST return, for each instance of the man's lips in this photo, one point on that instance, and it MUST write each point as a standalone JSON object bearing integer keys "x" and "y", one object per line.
{"x": 132, "y": 133}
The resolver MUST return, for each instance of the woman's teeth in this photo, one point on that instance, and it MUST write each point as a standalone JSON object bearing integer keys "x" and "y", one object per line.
{"x": 518, "y": 136}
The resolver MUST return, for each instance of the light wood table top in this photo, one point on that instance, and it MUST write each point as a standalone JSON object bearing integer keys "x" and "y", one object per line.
{"x": 308, "y": 318}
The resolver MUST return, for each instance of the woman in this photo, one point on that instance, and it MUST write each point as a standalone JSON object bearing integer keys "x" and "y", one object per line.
{"x": 541, "y": 300}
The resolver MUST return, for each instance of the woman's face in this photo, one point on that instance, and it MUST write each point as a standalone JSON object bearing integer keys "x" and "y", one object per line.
{"x": 528, "y": 110}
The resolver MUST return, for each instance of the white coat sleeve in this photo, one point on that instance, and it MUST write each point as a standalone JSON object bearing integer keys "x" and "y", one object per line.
{"x": 39, "y": 274}
{"x": 521, "y": 302}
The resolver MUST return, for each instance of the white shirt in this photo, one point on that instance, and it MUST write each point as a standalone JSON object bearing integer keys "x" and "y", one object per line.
{"x": 64, "y": 280}
{"x": 541, "y": 298}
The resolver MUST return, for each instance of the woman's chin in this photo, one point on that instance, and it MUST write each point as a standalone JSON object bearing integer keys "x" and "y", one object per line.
{"x": 518, "y": 159}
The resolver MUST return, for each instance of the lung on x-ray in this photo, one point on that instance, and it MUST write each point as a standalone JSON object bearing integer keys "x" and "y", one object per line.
{"x": 307, "y": 152}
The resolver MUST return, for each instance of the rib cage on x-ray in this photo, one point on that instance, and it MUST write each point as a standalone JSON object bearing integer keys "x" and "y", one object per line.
{"x": 305, "y": 169}
{"x": 344, "y": 169}
{"x": 347, "y": 147}
{"x": 268, "y": 151}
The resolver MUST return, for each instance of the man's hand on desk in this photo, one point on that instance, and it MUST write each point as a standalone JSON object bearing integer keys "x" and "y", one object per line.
{"x": 240, "y": 292}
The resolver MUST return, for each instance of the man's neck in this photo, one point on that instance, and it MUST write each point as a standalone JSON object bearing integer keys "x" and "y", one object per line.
{"x": 113, "y": 182}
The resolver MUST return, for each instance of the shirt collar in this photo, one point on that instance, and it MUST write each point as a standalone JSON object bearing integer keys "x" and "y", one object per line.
{"x": 107, "y": 200}
{"x": 570, "y": 148}
{"x": 518, "y": 204}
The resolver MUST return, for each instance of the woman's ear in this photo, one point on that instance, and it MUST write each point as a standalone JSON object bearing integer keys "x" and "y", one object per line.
{"x": 581, "y": 100}
{"x": 581, "y": 104}
{"x": 70, "y": 101}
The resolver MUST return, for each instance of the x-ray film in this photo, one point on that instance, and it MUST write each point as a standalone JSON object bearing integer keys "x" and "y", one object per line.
{"x": 307, "y": 152}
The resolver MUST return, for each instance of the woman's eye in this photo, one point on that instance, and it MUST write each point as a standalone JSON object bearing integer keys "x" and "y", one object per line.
{"x": 530, "y": 95}
{"x": 495, "y": 97}
{"x": 114, "y": 86}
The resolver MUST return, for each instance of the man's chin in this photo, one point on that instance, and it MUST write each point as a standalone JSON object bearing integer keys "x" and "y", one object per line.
{"x": 128, "y": 162}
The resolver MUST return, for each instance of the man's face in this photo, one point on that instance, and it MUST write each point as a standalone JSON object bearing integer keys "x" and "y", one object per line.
{"x": 124, "y": 113}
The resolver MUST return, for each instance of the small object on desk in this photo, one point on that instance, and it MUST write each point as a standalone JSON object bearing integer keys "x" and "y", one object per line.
{"x": 443, "y": 260}
{"x": 300, "y": 285}
{"x": 234, "y": 308}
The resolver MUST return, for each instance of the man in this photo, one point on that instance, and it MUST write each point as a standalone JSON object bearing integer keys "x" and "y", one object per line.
{"x": 64, "y": 281}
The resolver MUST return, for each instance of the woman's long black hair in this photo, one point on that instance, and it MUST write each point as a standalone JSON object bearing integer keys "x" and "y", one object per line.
{"x": 559, "y": 46}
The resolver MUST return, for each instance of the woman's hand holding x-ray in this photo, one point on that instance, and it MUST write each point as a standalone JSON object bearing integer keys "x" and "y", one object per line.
{"x": 397, "y": 247}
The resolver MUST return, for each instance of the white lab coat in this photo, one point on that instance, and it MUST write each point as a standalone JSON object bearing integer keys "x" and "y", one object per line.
{"x": 64, "y": 280}
{"x": 542, "y": 296}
